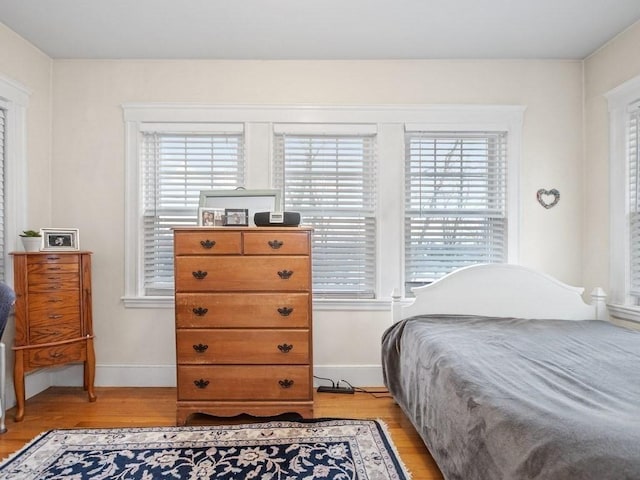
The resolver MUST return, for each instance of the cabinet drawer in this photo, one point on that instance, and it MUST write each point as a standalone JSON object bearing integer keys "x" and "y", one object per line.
{"x": 198, "y": 274}
{"x": 67, "y": 284}
{"x": 47, "y": 302}
{"x": 43, "y": 269}
{"x": 58, "y": 355}
{"x": 55, "y": 331}
{"x": 257, "y": 347}
{"x": 42, "y": 313}
{"x": 257, "y": 310}
{"x": 244, "y": 382}
{"x": 52, "y": 258}
{"x": 276, "y": 243}
{"x": 207, "y": 242}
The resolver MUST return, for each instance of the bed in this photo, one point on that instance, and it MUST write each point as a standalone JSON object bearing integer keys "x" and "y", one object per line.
{"x": 506, "y": 373}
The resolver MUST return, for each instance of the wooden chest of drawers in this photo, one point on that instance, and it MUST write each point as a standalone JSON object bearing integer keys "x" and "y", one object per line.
{"x": 53, "y": 316}
{"x": 243, "y": 321}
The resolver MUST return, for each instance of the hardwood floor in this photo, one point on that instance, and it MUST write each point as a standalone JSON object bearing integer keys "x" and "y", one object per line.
{"x": 66, "y": 407}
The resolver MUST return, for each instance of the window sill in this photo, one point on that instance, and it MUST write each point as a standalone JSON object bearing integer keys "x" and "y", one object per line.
{"x": 318, "y": 303}
{"x": 625, "y": 312}
{"x": 148, "y": 302}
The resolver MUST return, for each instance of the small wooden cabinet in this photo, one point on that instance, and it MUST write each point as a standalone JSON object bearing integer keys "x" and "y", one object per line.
{"x": 53, "y": 316}
{"x": 243, "y": 321}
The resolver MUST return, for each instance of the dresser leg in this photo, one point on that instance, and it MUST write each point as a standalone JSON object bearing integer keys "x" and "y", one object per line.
{"x": 18, "y": 384}
{"x": 90, "y": 370}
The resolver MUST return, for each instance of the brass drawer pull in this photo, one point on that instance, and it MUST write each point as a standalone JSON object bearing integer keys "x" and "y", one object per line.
{"x": 56, "y": 354}
{"x": 208, "y": 244}
{"x": 54, "y": 268}
{"x": 54, "y": 300}
{"x": 202, "y": 383}
{"x": 285, "y": 348}
{"x": 55, "y": 315}
{"x": 200, "y": 348}
{"x": 285, "y": 311}
{"x": 275, "y": 244}
{"x": 199, "y": 274}
{"x": 285, "y": 274}
{"x": 201, "y": 312}
{"x": 53, "y": 257}
{"x": 286, "y": 383}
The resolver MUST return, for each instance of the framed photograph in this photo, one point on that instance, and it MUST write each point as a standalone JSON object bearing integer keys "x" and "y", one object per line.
{"x": 237, "y": 217}
{"x": 210, "y": 217}
{"x": 233, "y": 200}
{"x": 60, "y": 239}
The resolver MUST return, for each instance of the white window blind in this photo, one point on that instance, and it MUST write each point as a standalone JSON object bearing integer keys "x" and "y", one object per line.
{"x": 2, "y": 192}
{"x": 633, "y": 131}
{"x": 175, "y": 167}
{"x": 330, "y": 180}
{"x": 455, "y": 202}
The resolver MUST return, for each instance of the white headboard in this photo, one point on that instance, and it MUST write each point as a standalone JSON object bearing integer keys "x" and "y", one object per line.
{"x": 503, "y": 290}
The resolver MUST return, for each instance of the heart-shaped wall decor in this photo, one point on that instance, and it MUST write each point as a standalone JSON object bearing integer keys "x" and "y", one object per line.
{"x": 548, "y": 198}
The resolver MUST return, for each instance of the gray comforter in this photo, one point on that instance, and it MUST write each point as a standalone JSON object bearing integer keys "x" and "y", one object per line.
{"x": 504, "y": 398}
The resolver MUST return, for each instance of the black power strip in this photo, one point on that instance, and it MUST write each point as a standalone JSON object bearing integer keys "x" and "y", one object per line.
{"x": 325, "y": 389}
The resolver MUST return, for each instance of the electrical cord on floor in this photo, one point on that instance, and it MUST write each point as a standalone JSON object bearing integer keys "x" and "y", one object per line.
{"x": 333, "y": 384}
{"x": 374, "y": 393}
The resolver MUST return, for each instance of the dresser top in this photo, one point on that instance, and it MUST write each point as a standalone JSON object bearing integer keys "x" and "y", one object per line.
{"x": 244, "y": 229}
{"x": 54, "y": 252}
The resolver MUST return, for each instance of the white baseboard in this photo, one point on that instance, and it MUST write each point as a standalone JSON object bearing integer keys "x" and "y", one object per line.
{"x": 165, "y": 375}
{"x": 356, "y": 375}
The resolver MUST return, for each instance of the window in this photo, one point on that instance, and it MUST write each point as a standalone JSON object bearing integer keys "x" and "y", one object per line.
{"x": 3, "y": 249}
{"x": 14, "y": 100}
{"x": 633, "y": 156}
{"x": 343, "y": 169}
{"x": 168, "y": 164}
{"x": 624, "y": 113}
{"x": 330, "y": 180}
{"x": 455, "y": 202}
{"x": 176, "y": 166}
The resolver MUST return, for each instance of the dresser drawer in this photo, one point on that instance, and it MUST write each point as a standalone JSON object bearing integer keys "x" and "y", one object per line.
{"x": 55, "y": 332}
{"x": 199, "y": 273}
{"x": 244, "y": 382}
{"x": 251, "y": 310}
{"x": 41, "y": 311}
{"x": 58, "y": 355}
{"x": 64, "y": 283}
{"x": 276, "y": 243}
{"x": 53, "y": 258}
{"x": 45, "y": 302}
{"x": 207, "y": 242}
{"x": 41, "y": 269}
{"x": 257, "y": 347}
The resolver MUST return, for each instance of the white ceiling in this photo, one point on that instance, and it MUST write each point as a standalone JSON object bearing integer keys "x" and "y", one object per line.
{"x": 319, "y": 29}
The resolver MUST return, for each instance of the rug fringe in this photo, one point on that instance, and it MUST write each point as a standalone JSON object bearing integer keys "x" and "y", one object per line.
{"x": 26, "y": 446}
{"x": 392, "y": 446}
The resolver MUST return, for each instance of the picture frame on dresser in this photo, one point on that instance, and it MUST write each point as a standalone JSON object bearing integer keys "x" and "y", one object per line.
{"x": 210, "y": 217}
{"x": 60, "y": 239}
{"x": 265, "y": 200}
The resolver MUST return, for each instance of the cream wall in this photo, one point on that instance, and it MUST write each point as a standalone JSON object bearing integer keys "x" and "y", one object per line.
{"x": 611, "y": 66}
{"x": 136, "y": 346}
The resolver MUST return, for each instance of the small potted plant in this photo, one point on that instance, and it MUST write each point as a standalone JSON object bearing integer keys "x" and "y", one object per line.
{"x": 31, "y": 240}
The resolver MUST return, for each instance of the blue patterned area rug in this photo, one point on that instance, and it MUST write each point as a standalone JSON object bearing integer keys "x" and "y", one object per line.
{"x": 322, "y": 449}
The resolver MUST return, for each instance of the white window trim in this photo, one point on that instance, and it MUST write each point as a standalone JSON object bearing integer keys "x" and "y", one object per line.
{"x": 388, "y": 120}
{"x": 15, "y": 99}
{"x": 620, "y": 302}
